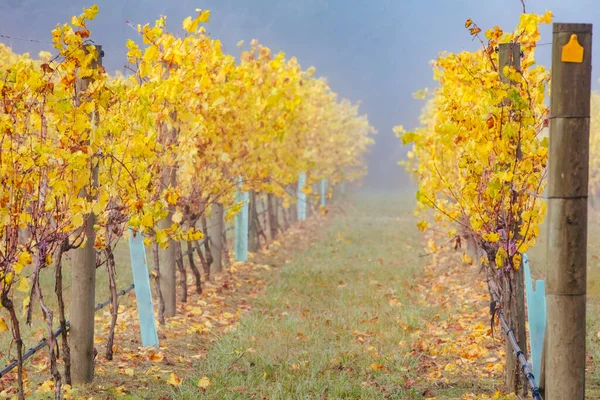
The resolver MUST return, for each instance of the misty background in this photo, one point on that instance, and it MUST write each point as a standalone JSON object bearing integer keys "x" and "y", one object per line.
{"x": 377, "y": 52}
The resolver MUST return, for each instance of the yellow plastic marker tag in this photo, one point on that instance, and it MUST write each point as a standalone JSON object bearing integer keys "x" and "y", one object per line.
{"x": 572, "y": 51}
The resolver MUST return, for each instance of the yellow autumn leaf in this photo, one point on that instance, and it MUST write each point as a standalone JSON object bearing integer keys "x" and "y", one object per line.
{"x": 90, "y": 12}
{"x": 46, "y": 386}
{"x": 120, "y": 391}
{"x": 172, "y": 197}
{"x": 162, "y": 238}
{"x": 3, "y": 326}
{"x": 177, "y": 217}
{"x": 156, "y": 357}
{"x": 491, "y": 237}
{"x": 77, "y": 220}
{"x": 174, "y": 380}
{"x": 23, "y": 259}
{"x": 450, "y": 367}
{"x": 147, "y": 221}
{"x": 23, "y": 284}
{"x": 204, "y": 382}
{"x": 466, "y": 259}
{"x": 422, "y": 225}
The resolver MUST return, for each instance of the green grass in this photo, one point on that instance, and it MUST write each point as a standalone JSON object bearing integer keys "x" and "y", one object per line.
{"x": 326, "y": 318}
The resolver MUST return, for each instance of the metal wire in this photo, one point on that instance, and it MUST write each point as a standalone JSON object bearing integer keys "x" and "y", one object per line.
{"x": 25, "y": 39}
{"x": 527, "y": 371}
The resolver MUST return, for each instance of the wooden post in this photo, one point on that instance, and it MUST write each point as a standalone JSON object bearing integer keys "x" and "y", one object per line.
{"x": 323, "y": 192}
{"x": 509, "y": 55}
{"x": 167, "y": 265}
{"x": 252, "y": 223}
{"x": 567, "y": 211}
{"x": 241, "y": 226}
{"x": 143, "y": 294}
{"x": 542, "y": 379}
{"x": 301, "y": 197}
{"x": 83, "y": 276}
{"x": 216, "y": 236}
{"x": 514, "y": 287}
{"x": 272, "y": 216}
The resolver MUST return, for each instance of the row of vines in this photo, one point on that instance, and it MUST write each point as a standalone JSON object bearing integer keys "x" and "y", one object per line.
{"x": 85, "y": 156}
{"x": 480, "y": 157}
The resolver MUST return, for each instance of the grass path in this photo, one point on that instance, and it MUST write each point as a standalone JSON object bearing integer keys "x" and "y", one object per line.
{"x": 355, "y": 315}
{"x": 352, "y": 310}
{"x": 327, "y": 327}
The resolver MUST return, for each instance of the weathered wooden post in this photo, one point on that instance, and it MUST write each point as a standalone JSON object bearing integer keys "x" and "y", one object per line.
{"x": 272, "y": 215}
{"x": 323, "y": 192}
{"x": 514, "y": 290}
{"x": 216, "y": 236}
{"x": 301, "y": 197}
{"x": 167, "y": 264}
{"x": 143, "y": 294}
{"x": 83, "y": 275}
{"x": 241, "y": 226}
{"x": 252, "y": 223}
{"x": 567, "y": 211}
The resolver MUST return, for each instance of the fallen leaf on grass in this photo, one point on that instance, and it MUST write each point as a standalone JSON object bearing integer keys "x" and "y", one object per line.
{"x": 47, "y": 386}
{"x": 120, "y": 391}
{"x": 377, "y": 367}
{"x": 204, "y": 382}
{"x": 156, "y": 357}
{"x": 450, "y": 367}
{"x": 174, "y": 380}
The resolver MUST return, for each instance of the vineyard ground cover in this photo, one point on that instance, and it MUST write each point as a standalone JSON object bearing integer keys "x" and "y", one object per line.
{"x": 327, "y": 326}
{"x": 351, "y": 310}
{"x": 365, "y": 341}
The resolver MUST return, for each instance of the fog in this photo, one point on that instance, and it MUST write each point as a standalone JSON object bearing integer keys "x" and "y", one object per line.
{"x": 377, "y": 52}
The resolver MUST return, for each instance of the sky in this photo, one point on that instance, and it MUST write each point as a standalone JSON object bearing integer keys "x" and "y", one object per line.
{"x": 376, "y": 52}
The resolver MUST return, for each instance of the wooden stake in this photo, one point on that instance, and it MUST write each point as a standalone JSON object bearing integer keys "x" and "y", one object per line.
{"x": 567, "y": 214}
{"x": 167, "y": 266}
{"x": 83, "y": 276}
{"x": 514, "y": 287}
{"x": 252, "y": 223}
{"x": 216, "y": 236}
